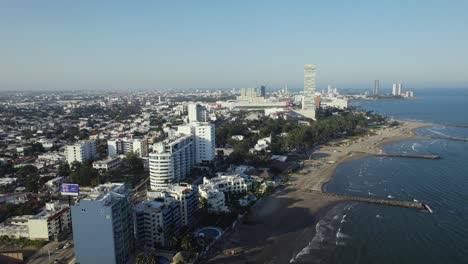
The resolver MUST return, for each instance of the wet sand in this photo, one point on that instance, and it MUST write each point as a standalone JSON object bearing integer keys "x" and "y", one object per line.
{"x": 283, "y": 223}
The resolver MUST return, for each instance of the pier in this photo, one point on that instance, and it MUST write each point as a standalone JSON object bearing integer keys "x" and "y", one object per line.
{"x": 397, "y": 203}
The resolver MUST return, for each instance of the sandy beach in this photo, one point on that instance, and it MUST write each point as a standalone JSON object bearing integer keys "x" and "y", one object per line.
{"x": 280, "y": 223}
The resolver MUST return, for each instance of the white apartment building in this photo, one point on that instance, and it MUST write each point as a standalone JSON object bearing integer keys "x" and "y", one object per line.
{"x": 215, "y": 198}
{"x": 155, "y": 221}
{"x": 187, "y": 198}
{"x": 81, "y": 151}
{"x": 123, "y": 146}
{"x": 109, "y": 163}
{"x": 204, "y": 135}
{"x": 197, "y": 113}
{"x": 46, "y": 225}
{"x": 227, "y": 183}
{"x": 171, "y": 161}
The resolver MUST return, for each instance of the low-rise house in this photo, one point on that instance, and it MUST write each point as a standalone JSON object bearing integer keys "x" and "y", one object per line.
{"x": 109, "y": 163}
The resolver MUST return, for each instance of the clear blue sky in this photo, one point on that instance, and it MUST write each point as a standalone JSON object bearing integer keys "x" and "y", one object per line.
{"x": 223, "y": 44}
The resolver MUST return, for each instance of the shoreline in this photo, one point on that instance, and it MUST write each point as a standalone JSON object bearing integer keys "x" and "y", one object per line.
{"x": 285, "y": 221}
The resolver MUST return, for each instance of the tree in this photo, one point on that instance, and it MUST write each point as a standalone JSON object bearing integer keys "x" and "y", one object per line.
{"x": 85, "y": 175}
{"x": 26, "y": 171}
{"x": 134, "y": 162}
{"x": 101, "y": 147}
{"x": 64, "y": 169}
{"x": 32, "y": 183}
{"x": 189, "y": 243}
{"x": 37, "y": 148}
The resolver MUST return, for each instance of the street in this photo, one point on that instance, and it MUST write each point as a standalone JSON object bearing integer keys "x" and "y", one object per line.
{"x": 64, "y": 255}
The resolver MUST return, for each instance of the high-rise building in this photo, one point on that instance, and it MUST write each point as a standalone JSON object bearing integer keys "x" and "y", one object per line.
{"x": 308, "y": 100}
{"x": 197, "y": 113}
{"x": 376, "y": 87}
{"x": 395, "y": 89}
{"x": 204, "y": 135}
{"x": 103, "y": 227}
{"x": 252, "y": 95}
{"x": 123, "y": 146}
{"x": 399, "y": 87}
{"x": 156, "y": 220}
{"x": 262, "y": 91}
{"x": 171, "y": 161}
{"x": 187, "y": 197}
{"x": 81, "y": 151}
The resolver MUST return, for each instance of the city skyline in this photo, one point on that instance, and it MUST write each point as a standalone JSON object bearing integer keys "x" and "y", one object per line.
{"x": 107, "y": 45}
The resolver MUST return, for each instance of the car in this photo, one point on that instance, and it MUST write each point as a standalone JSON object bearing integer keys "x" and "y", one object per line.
{"x": 67, "y": 245}
{"x": 57, "y": 260}
{"x": 60, "y": 246}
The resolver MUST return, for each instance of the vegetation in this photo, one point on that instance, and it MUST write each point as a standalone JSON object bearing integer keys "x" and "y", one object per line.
{"x": 85, "y": 174}
{"x": 289, "y": 136}
{"x": 6, "y": 241}
{"x": 29, "y": 175}
{"x": 29, "y": 208}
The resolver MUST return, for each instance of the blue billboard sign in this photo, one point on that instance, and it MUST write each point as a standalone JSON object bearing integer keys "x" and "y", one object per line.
{"x": 69, "y": 189}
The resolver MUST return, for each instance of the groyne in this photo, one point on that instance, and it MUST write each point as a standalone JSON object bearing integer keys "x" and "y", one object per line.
{"x": 412, "y": 156}
{"x": 397, "y": 203}
{"x": 408, "y": 156}
{"x": 449, "y": 138}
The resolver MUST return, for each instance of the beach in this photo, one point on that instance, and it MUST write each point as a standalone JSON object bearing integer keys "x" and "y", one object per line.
{"x": 280, "y": 223}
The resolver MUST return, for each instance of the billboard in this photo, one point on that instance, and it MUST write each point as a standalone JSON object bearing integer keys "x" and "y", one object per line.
{"x": 69, "y": 189}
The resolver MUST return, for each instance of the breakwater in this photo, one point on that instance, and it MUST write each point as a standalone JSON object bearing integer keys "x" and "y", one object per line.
{"x": 449, "y": 138}
{"x": 397, "y": 203}
{"x": 412, "y": 156}
{"x": 408, "y": 156}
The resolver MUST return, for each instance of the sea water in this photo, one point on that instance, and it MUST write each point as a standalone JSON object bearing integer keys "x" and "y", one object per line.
{"x": 365, "y": 233}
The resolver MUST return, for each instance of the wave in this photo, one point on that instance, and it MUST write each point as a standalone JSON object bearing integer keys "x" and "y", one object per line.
{"x": 325, "y": 234}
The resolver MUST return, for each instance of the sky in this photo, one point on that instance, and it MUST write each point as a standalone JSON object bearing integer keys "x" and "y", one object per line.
{"x": 175, "y": 44}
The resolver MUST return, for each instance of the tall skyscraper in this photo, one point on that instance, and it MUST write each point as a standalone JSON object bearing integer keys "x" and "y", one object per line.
{"x": 103, "y": 229}
{"x": 395, "y": 89}
{"x": 376, "y": 87}
{"x": 308, "y": 100}
{"x": 399, "y": 87}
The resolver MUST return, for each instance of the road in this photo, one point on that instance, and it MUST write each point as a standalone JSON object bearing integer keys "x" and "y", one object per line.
{"x": 65, "y": 255}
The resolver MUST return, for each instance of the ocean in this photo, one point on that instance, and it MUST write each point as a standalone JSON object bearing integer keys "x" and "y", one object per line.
{"x": 364, "y": 233}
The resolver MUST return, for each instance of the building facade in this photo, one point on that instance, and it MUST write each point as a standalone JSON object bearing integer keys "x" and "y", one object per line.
{"x": 171, "y": 161}
{"x": 187, "y": 197}
{"x": 156, "y": 220}
{"x": 109, "y": 163}
{"x": 123, "y": 146}
{"x": 103, "y": 227}
{"x": 308, "y": 99}
{"x": 204, "y": 144}
{"x": 197, "y": 113}
{"x": 81, "y": 151}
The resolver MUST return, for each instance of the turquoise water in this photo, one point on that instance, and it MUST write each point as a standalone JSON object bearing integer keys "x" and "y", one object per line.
{"x": 363, "y": 233}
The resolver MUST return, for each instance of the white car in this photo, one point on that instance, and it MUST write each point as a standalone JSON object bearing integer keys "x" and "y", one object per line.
{"x": 67, "y": 245}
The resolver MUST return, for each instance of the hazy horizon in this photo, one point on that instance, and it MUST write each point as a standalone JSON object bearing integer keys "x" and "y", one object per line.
{"x": 58, "y": 45}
